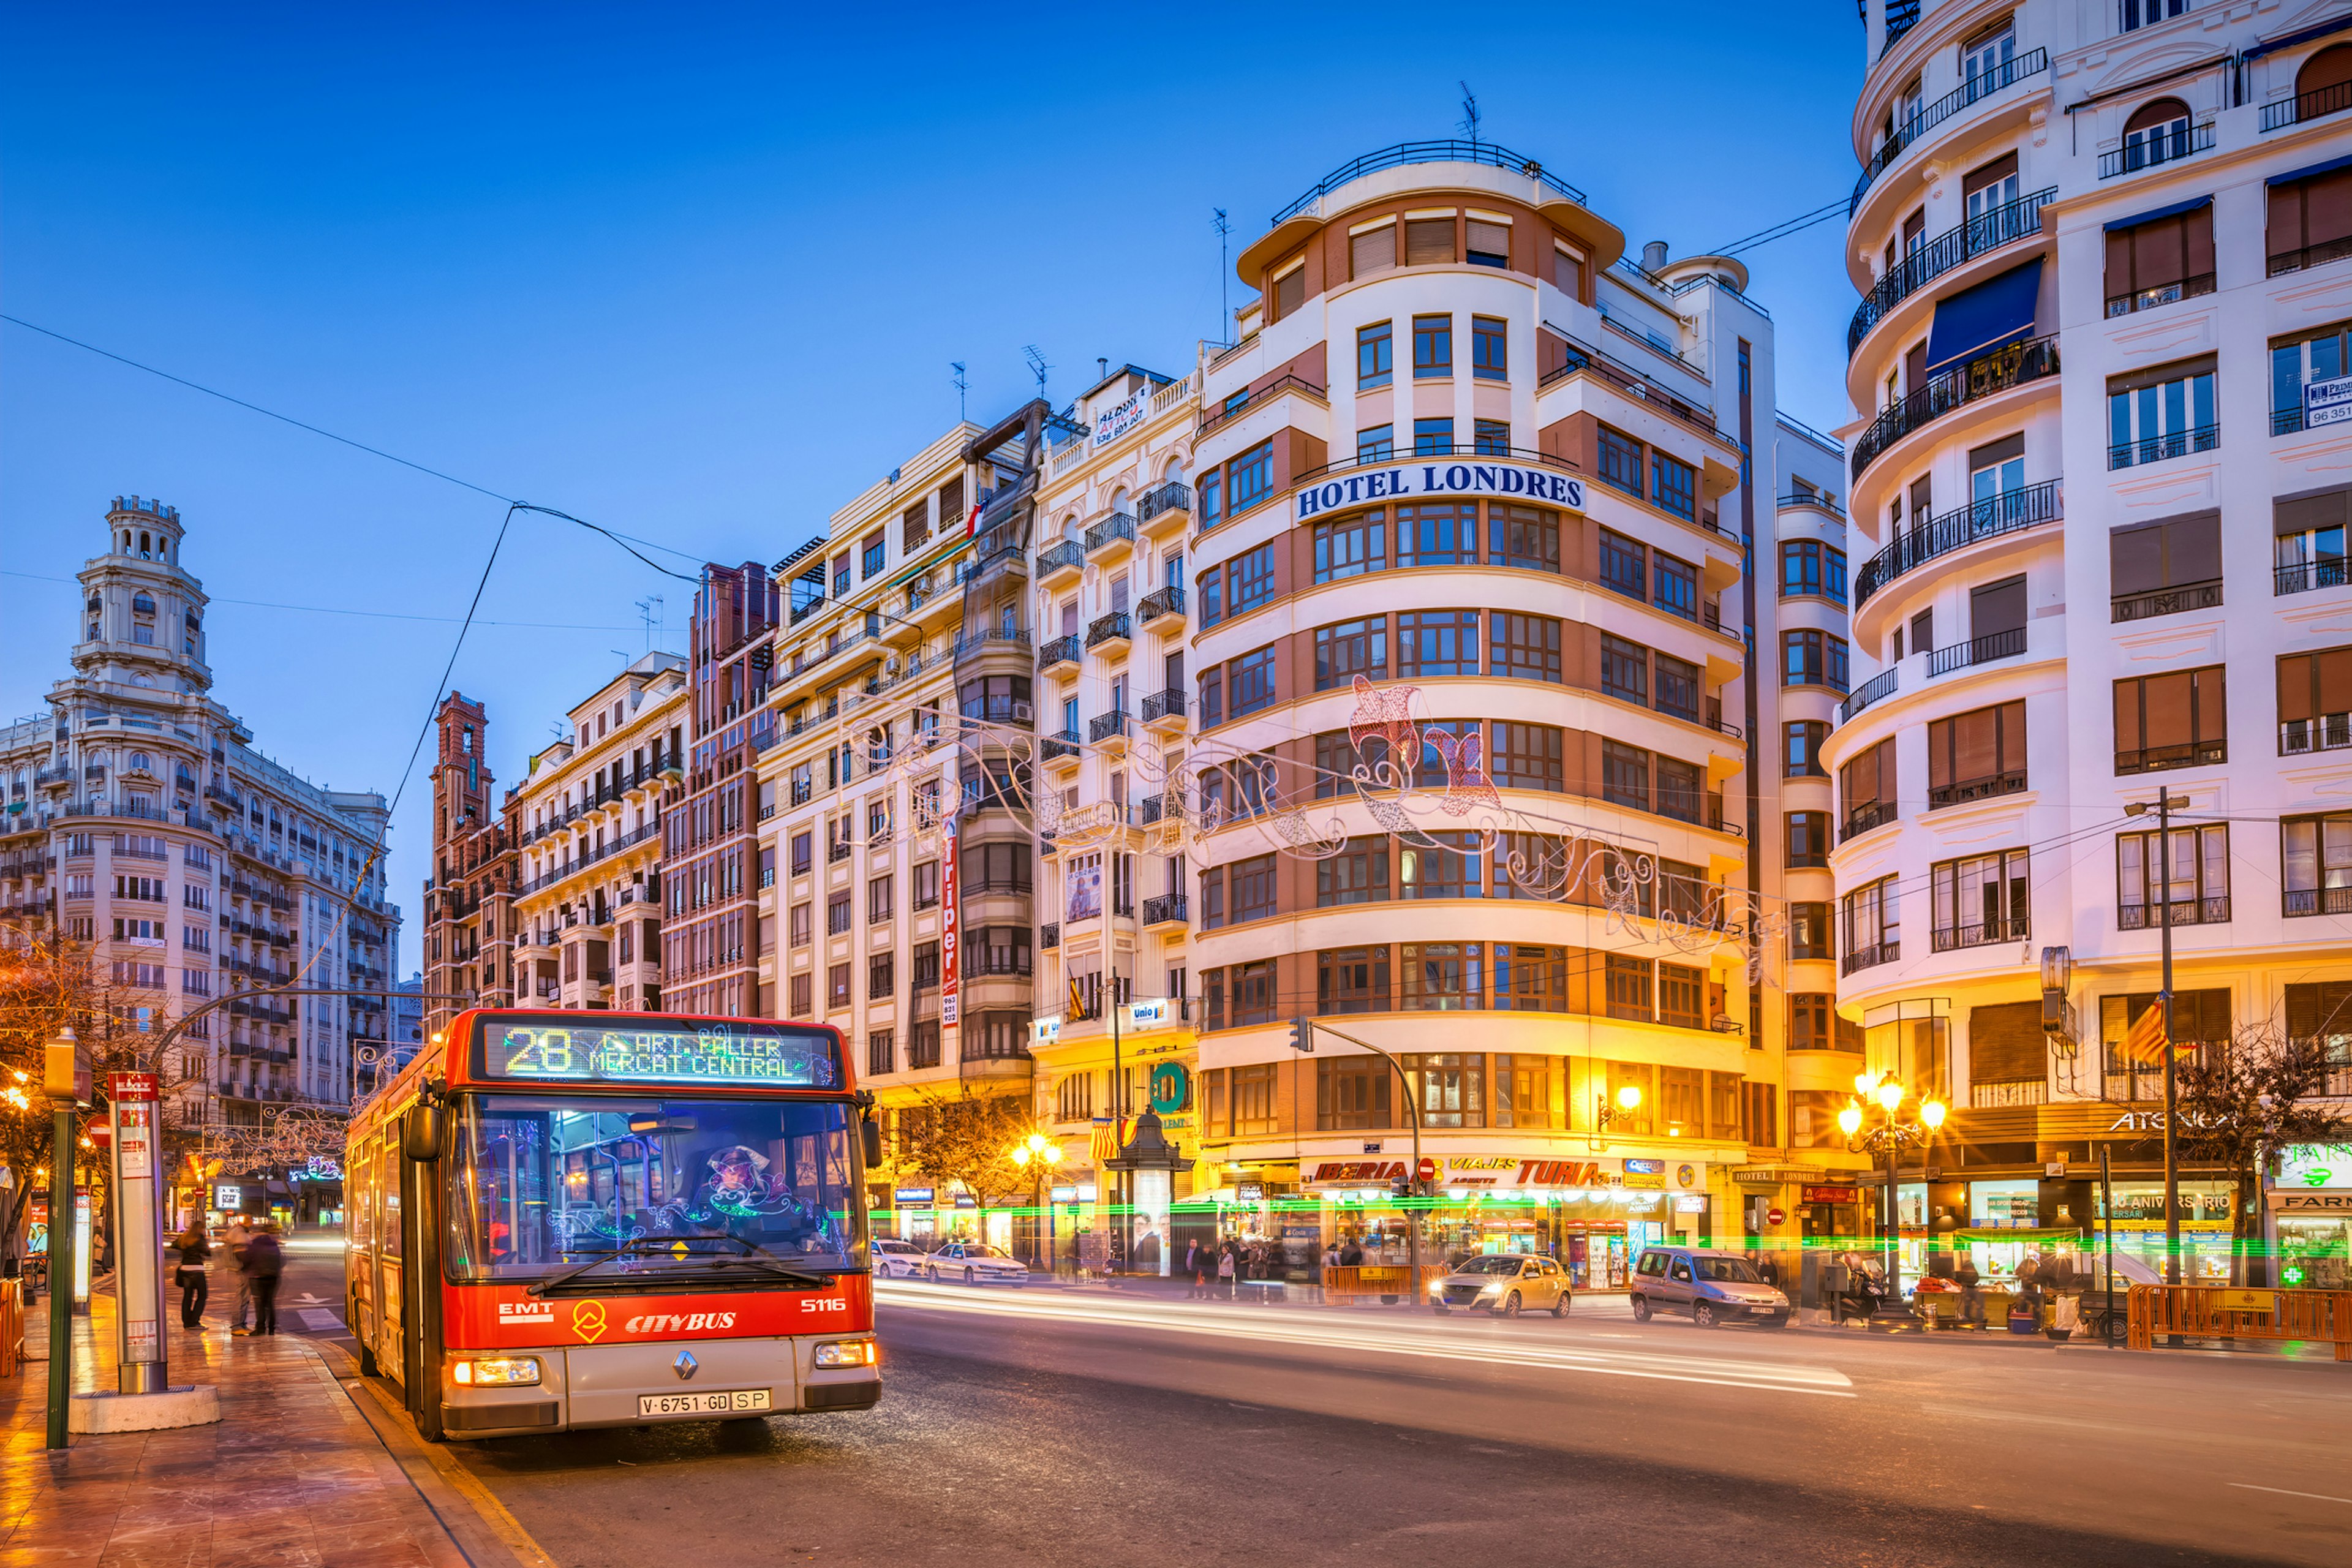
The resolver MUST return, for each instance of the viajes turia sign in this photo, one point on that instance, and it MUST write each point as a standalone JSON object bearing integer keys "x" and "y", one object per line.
{"x": 1410, "y": 479}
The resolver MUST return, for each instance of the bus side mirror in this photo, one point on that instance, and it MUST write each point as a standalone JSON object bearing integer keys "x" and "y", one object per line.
{"x": 423, "y": 1131}
{"x": 872, "y": 1130}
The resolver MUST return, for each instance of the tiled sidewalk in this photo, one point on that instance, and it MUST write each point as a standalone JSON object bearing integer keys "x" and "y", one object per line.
{"x": 291, "y": 1476}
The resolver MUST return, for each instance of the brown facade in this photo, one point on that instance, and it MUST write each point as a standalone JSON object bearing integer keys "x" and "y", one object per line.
{"x": 468, "y": 921}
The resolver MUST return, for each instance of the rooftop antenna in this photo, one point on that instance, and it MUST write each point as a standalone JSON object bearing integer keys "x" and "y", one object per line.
{"x": 1224, "y": 227}
{"x": 1037, "y": 367}
{"x": 650, "y": 611}
{"x": 1469, "y": 112}
{"x": 962, "y": 385}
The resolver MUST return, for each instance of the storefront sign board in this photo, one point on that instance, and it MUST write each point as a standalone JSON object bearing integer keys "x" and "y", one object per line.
{"x": 1830, "y": 1194}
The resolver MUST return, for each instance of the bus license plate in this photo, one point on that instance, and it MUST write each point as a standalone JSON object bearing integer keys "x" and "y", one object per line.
{"x": 717, "y": 1401}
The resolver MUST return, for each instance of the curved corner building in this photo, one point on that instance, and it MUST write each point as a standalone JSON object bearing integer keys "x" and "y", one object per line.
{"x": 2106, "y": 260}
{"x": 1465, "y": 451}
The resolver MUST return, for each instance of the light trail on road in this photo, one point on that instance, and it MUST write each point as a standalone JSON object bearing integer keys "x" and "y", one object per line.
{"x": 1394, "y": 1336}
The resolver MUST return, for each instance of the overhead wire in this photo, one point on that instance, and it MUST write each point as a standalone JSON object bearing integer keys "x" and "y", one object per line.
{"x": 365, "y": 614}
{"x": 1784, "y": 228}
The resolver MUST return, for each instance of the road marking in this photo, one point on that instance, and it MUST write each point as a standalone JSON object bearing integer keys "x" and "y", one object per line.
{"x": 318, "y": 1318}
{"x": 1264, "y": 1328}
{"x": 2317, "y": 1496}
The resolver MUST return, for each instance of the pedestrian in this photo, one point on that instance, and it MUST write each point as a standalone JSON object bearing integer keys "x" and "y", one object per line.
{"x": 1225, "y": 1267}
{"x": 238, "y": 1236}
{"x": 194, "y": 1286}
{"x": 265, "y": 1262}
{"x": 1972, "y": 1306}
{"x": 1352, "y": 1255}
{"x": 1769, "y": 1271}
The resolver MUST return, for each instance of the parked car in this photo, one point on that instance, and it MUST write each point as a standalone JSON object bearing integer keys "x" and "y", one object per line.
{"x": 1506, "y": 1284}
{"x": 896, "y": 1260}
{"x": 977, "y": 1262}
{"x": 1712, "y": 1288}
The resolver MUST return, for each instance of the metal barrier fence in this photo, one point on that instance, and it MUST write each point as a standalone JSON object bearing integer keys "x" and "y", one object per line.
{"x": 2219, "y": 1313}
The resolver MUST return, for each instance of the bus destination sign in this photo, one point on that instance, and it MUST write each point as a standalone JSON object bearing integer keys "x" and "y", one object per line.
{"x": 572, "y": 1052}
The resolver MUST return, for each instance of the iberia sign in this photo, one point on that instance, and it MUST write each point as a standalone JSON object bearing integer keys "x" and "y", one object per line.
{"x": 1442, "y": 480}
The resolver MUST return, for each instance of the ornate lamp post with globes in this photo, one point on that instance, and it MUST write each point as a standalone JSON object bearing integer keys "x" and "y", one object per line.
{"x": 1885, "y": 1141}
{"x": 1045, "y": 1153}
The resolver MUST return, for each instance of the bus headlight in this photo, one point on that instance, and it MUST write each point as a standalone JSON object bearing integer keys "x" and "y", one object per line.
{"x": 844, "y": 1353}
{"x": 496, "y": 1372}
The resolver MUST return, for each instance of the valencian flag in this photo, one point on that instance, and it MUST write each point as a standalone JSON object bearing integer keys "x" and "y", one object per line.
{"x": 2143, "y": 1041}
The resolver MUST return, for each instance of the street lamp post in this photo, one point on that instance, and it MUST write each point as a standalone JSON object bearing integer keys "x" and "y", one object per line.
{"x": 2165, "y": 804}
{"x": 1045, "y": 1153}
{"x": 1884, "y": 1142}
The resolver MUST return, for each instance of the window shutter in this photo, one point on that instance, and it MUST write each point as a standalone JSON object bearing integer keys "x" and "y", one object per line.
{"x": 2166, "y": 697}
{"x": 1374, "y": 250}
{"x": 2197, "y": 237}
{"x": 1996, "y": 608}
{"x": 2285, "y": 219}
{"x": 2159, "y": 255}
{"x": 2119, "y": 262}
{"x": 2135, "y": 559}
{"x": 2328, "y": 207}
{"x": 2213, "y": 706}
{"x": 1490, "y": 238}
{"x": 2192, "y": 549}
{"x": 2294, "y": 676}
{"x": 1428, "y": 240}
{"x": 1992, "y": 174}
{"x": 2334, "y": 666}
{"x": 2306, "y": 514}
{"x": 1289, "y": 291}
{"x": 1994, "y": 453}
{"x": 2012, "y": 737}
{"x": 1976, "y": 744}
{"x": 2005, "y": 1044}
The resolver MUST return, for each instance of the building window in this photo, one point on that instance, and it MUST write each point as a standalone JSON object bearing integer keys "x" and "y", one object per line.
{"x": 1490, "y": 347}
{"x": 881, "y": 899}
{"x": 1873, "y": 930}
{"x": 1253, "y": 886}
{"x": 881, "y": 976}
{"x": 1976, "y": 755}
{"x": 1253, "y": 682}
{"x": 801, "y": 923}
{"x": 1682, "y": 790}
{"x": 1212, "y": 499}
{"x": 873, "y": 556}
{"x": 1621, "y": 461}
{"x": 1681, "y": 1004}
{"x": 1625, "y": 565}
{"x": 1436, "y": 642}
{"x": 802, "y": 853}
{"x": 1811, "y": 569}
{"x": 2200, "y": 877}
{"x": 2174, "y": 721}
{"x": 1523, "y": 647}
{"x": 1255, "y": 1003}
{"x": 1433, "y": 337}
{"x": 1450, "y": 870}
{"x": 1808, "y": 931}
{"x": 2316, "y": 856}
{"x": 1673, "y": 486}
{"x": 1373, "y": 250}
{"x": 1489, "y": 243}
{"x": 1376, "y": 444}
{"x": 1352, "y": 547}
{"x": 799, "y": 1007}
{"x": 1625, "y": 775}
{"x": 1625, "y": 670}
{"x": 1432, "y": 437}
{"x": 836, "y": 915}
{"x": 2169, "y": 258}
{"x": 1529, "y": 756}
{"x": 881, "y": 1052}
{"x": 1809, "y": 838}
{"x": 1350, "y": 649}
{"x": 1523, "y": 537}
{"x": 1251, "y": 477}
{"x": 1628, "y": 984}
{"x": 2316, "y": 354}
{"x": 1289, "y": 292}
{"x": 2315, "y": 701}
{"x": 1439, "y": 534}
{"x": 1813, "y": 1017}
{"x": 1866, "y": 788}
{"x": 1813, "y": 1118}
{"x": 1359, "y": 874}
{"x": 836, "y": 986}
{"x": 1491, "y": 438}
{"x": 1675, "y": 584}
{"x": 2164, "y": 567}
{"x": 2310, "y": 220}
{"x": 1812, "y": 658}
{"x": 1353, "y": 979}
{"x": 1568, "y": 272}
{"x": 1448, "y": 1090}
{"x": 1351, "y": 1093}
{"x": 923, "y": 885}
{"x": 1978, "y": 899}
{"x": 1428, "y": 241}
{"x": 1253, "y": 580}
{"x": 2161, "y": 413}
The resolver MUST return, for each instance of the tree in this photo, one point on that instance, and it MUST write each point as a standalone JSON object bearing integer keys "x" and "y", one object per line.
{"x": 2243, "y": 1101}
{"x": 967, "y": 1138}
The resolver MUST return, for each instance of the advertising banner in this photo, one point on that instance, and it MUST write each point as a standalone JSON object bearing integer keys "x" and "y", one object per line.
{"x": 950, "y": 929}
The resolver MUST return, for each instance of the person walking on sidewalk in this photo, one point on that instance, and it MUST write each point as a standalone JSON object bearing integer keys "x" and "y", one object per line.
{"x": 1225, "y": 1268}
{"x": 1972, "y": 1309}
{"x": 194, "y": 1286}
{"x": 263, "y": 1263}
{"x": 239, "y": 1234}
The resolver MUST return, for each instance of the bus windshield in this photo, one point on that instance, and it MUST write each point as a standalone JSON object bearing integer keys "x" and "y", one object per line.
{"x": 541, "y": 1184}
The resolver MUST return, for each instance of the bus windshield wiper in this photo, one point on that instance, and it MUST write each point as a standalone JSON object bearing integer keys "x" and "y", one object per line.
{"x": 759, "y": 1258}
{"x": 627, "y": 1248}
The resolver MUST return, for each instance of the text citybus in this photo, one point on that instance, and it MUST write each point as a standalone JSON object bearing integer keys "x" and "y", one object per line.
{"x": 561, "y": 1220}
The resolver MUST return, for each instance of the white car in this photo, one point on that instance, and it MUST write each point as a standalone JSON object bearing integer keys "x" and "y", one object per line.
{"x": 896, "y": 1260}
{"x": 975, "y": 1263}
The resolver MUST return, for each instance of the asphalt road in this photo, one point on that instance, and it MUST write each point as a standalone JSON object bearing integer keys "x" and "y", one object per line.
{"x": 1053, "y": 1427}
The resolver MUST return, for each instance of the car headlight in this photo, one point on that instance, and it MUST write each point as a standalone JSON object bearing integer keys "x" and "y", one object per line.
{"x": 496, "y": 1372}
{"x": 846, "y": 1352}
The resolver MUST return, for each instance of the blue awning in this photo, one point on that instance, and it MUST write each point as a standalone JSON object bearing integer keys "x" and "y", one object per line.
{"x": 1974, "y": 321}
{"x": 2300, "y": 36}
{"x": 2307, "y": 170}
{"x": 2175, "y": 210}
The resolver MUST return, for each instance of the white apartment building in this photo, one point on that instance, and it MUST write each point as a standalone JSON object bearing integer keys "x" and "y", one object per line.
{"x": 139, "y": 818}
{"x": 2105, "y": 255}
{"x": 587, "y": 822}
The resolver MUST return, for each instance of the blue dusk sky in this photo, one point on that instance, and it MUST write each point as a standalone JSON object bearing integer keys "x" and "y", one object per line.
{"x": 697, "y": 273}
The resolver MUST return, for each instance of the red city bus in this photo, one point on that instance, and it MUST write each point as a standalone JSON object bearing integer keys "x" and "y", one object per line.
{"x": 572, "y": 1219}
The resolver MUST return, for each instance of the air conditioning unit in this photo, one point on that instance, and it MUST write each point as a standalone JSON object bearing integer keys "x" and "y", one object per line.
{"x": 1023, "y": 712}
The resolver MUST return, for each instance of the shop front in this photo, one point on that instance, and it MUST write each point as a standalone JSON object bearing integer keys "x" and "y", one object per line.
{"x": 2310, "y": 1211}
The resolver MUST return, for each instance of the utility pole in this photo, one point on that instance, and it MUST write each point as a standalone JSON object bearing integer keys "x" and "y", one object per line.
{"x": 63, "y": 1081}
{"x": 2167, "y": 803}
{"x": 1224, "y": 228}
{"x": 1302, "y": 1039}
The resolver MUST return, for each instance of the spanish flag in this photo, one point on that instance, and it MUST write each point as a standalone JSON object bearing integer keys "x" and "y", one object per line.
{"x": 2143, "y": 1041}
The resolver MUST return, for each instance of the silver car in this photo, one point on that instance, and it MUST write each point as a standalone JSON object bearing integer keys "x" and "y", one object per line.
{"x": 975, "y": 1263}
{"x": 1712, "y": 1287}
{"x": 1504, "y": 1283}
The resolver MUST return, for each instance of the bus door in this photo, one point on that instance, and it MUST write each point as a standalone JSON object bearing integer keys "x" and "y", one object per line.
{"x": 392, "y": 1181}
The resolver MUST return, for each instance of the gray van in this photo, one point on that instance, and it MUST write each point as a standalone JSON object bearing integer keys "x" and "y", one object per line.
{"x": 1712, "y": 1288}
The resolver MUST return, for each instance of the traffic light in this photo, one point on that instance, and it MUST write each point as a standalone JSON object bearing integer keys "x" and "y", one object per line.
{"x": 1302, "y": 1035}
{"x": 1401, "y": 1189}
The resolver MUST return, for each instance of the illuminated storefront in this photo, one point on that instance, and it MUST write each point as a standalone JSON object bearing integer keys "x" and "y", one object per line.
{"x": 2310, "y": 1205}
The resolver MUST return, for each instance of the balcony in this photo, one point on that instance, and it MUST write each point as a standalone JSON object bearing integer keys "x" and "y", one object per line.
{"x": 2328, "y": 732}
{"x": 1989, "y": 786}
{"x": 2156, "y": 448}
{"x": 1162, "y": 605}
{"x": 1862, "y": 818}
{"x": 1049, "y": 934}
{"x": 2001, "y": 371}
{"x": 2305, "y": 577}
{"x": 1950, "y": 938}
{"x": 1113, "y": 534}
{"x": 987, "y": 639}
{"x": 1108, "y": 731}
{"x": 1165, "y": 508}
{"x": 1111, "y": 633}
{"x": 1977, "y": 650}
{"x": 2165, "y": 147}
{"x": 2008, "y": 1093}
{"x": 1059, "y": 750}
{"x": 1054, "y": 559}
{"x": 1907, "y": 134}
{"x": 2310, "y": 256}
{"x": 1242, "y": 401}
{"x": 2164, "y": 294}
{"x": 835, "y": 853}
{"x": 1654, "y": 394}
{"x": 1958, "y": 528}
{"x": 1151, "y": 808}
{"x": 2159, "y": 759}
{"x": 1981, "y": 236}
{"x": 1061, "y": 650}
{"x": 1164, "y": 709}
{"x": 1870, "y": 957}
{"x": 2316, "y": 104}
{"x": 1877, "y": 686}
{"x": 2297, "y": 901}
{"x": 1167, "y": 909}
{"x": 2168, "y": 601}
{"x": 2184, "y": 912}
